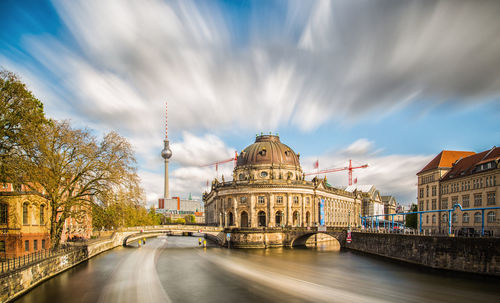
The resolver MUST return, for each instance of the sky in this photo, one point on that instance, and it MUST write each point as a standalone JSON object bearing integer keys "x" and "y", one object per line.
{"x": 384, "y": 83}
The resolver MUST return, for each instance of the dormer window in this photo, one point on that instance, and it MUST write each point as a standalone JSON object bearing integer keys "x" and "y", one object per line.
{"x": 287, "y": 153}
{"x": 263, "y": 151}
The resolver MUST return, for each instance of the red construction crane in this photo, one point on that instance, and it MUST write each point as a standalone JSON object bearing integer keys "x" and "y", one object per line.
{"x": 216, "y": 163}
{"x": 331, "y": 170}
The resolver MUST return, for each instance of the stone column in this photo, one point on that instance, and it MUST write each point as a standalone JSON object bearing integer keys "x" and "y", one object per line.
{"x": 270, "y": 210}
{"x": 303, "y": 202}
{"x": 225, "y": 219}
{"x": 251, "y": 212}
{"x": 289, "y": 209}
{"x": 235, "y": 212}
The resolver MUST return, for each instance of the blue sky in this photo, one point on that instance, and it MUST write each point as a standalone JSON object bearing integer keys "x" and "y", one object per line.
{"x": 384, "y": 83}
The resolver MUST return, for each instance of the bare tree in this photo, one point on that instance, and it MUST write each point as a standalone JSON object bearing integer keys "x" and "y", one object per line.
{"x": 73, "y": 170}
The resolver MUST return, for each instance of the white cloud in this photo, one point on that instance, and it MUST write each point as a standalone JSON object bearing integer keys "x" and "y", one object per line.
{"x": 191, "y": 177}
{"x": 391, "y": 174}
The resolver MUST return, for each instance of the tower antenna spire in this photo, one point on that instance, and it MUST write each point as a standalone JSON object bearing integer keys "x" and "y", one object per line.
{"x": 166, "y": 120}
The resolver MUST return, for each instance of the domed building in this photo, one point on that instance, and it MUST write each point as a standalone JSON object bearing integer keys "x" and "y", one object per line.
{"x": 269, "y": 190}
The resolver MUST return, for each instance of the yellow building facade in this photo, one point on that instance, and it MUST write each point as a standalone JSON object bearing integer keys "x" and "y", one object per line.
{"x": 465, "y": 178}
{"x": 269, "y": 190}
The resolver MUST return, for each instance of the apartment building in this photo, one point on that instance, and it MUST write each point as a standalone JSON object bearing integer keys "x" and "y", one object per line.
{"x": 465, "y": 178}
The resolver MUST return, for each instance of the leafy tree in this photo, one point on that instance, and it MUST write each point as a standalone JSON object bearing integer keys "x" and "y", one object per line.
{"x": 180, "y": 221}
{"x": 190, "y": 219}
{"x": 73, "y": 170}
{"x": 21, "y": 114}
{"x": 411, "y": 220}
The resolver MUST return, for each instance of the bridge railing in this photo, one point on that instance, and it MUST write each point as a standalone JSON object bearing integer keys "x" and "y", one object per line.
{"x": 375, "y": 219}
{"x": 12, "y": 264}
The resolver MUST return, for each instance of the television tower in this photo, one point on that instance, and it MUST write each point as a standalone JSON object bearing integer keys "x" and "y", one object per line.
{"x": 166, "y": 153}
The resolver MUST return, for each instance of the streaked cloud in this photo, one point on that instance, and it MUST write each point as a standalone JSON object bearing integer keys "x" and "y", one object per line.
{"x": 304, "y": 65}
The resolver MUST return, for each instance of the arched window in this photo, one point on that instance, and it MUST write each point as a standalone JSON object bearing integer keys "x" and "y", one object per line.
{"x": 3, "y": 213}
{"x": 42, "y": 214}
{"x": 25, "y": 213}
{"x": 477, "y": 217}
{"x": 454, "y": 218}
{"x": 491, "y": 217}
{"x": 279, "y": 218}
{"x": 262, "y": 218}
{"x": 465, "y": 218}
{"x": 231, "y": 220}
{"x": 295, "y": 218}
{"x": 244, "y": 219}
{"x": 433, "y": 219}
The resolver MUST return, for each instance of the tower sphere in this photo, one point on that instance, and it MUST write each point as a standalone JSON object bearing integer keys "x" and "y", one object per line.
{"x": 166, "y": 153}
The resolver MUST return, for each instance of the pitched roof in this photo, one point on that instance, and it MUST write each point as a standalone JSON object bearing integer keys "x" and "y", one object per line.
{"x": 445, "y": 159}
{"x": 466, "y": 165}
{"x": 362, "y": 188}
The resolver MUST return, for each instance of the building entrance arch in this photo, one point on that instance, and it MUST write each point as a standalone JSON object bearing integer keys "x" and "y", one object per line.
{"x": 230, "y": 219}
{"x": 244, "y": 219}
{"x": 261, "y": 218}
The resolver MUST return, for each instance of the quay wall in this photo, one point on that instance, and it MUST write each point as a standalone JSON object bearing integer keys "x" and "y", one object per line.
{"x": 471, "y": 255}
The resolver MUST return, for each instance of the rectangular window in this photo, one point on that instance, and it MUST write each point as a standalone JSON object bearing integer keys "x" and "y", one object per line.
{"x": 2, "y": 246}
{"x": 308, "y": 201}
{"x": 43, "y": 244}
{"x": 434, "y": 190}
{"x": 42, "y": 214}
{"x": 421, "y": 195}
{"x": 279, "y": 200}
{"x": 26, "y": 245}
{"x": 35, "y": 245}
{"x": 454, "y": 200}
{"x": 490, "y": 198}
{"x": 3, "y": 213}
{"x": 262, "y": 200}
{"x": 25, "y": 213}
{"x": 465, "y": 201}
{"x": 427, "y": 205}
{"x": 444, "y": 203}
{"x": 434, "y": 204}
{"x": 295, "y": 200}
{"x": 478, "y": 199}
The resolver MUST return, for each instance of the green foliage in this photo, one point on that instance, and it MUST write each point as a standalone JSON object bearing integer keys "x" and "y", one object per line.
{"x": 180, "y": 221}
{"x": 122, "y": 214}
{"x": 411, "y": 220}
{"x": 168, "y": 220}
{"x": 190, "y": 219}
{"x": 21, "y": 114}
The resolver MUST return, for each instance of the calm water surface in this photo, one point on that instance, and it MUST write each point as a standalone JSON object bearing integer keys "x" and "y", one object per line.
{"x": 175, "y": 269}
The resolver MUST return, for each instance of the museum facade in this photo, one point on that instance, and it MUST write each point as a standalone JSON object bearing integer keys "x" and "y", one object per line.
{"x": 269, "y": 189}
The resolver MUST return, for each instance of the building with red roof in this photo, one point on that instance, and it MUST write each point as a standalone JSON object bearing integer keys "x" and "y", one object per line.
{"x": 465, "y": 178}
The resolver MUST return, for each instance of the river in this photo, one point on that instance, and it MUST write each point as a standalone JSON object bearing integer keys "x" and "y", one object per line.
{"x": 175, "y": 269}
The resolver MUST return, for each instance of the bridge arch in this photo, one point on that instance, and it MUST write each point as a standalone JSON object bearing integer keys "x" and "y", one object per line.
{"x": 300, "y": 238}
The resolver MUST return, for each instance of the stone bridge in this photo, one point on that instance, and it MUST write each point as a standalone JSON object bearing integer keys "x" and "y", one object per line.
{"x": 278, "y": 237}
{"x": 210, "y": 232}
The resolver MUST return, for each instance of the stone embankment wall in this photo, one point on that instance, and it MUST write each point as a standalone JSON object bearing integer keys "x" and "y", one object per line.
{"x": 473, "y": 255}
{"x": 15, "y": 283}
